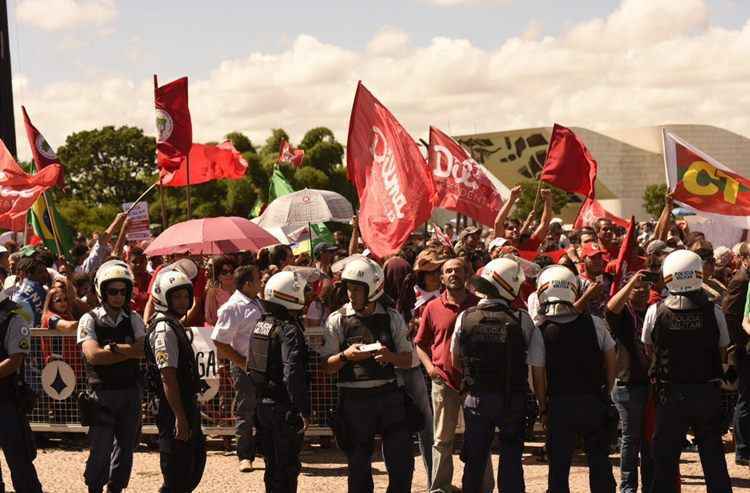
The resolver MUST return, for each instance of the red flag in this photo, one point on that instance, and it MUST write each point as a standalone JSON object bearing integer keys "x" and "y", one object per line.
{"x": 19, "y": 190}
{"x": 394, "y": 185}
{"x": 626, "y": 251}
{"x": 591, "y": 210}
{"x": 173, "y": 123}
{"x": 207, "y": 163}
{"x": 288, "y": 154}
{"x": 462, "y": 184}
{"x": 569, "y": 165}
{"x": 41, "y": 151}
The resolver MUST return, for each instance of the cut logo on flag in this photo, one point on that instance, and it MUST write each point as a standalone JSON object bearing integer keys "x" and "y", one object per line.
{"x": 164, "y": 125}
{"x": 44, "y": 148}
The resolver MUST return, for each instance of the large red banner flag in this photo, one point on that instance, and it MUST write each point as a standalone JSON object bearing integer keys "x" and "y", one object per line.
{"x": 627, "y": 247}
{"x": 207, "y": 163}
{"x": 19, "y": 190}
{"x": 462, "y": 184}
{"x": 41, "y": 151}
{"x": 394, "y": 184}
{"x": 569, "y": 165}
{"x": 173, "y": 123}
{"x": 698, "y": 181}
{"x": 288, "y": 154}
{"x": 591, "y": 210}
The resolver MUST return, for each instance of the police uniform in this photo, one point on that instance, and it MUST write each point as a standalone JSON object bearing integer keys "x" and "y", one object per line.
{"x": 182, "y": 462}
{"x": 686, "y": 334}
{"x": 574, "y": 347}
{"x": 117, "y": 391}
{"x": 277, "y": 364}
{"x": 492, "y": 340}
{"x": 370, "y": 401}
{"x": 15, "y": 434}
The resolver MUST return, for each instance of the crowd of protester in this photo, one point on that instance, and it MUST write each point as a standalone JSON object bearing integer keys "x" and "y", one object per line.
{"x": 428, "y": 284}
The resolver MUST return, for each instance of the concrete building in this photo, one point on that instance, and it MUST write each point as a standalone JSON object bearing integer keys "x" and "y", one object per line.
{"x": 629, "y": 159}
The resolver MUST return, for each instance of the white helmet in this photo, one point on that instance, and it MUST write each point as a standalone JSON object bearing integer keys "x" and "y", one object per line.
{"x": 556, "y": 284}
{"x": 165, "y": 283}
{"x": 287, "y": 289}
{"x": 366, "y": 272}
{"x": 113, "y": 270}
{"x": 503, "y": 274}
{"x": 682, "y": 271}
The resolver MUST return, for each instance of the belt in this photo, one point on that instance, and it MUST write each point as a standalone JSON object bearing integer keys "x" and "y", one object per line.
{"x": 367, "y": 391}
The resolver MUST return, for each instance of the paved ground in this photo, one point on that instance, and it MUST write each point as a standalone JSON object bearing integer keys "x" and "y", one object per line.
{"x": 323, "y": 471}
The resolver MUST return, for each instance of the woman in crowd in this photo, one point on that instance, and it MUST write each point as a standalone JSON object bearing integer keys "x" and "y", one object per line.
{"x": 221, "y": 288}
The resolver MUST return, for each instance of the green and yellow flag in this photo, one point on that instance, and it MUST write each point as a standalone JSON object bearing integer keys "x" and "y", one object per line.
{"x": 39, "y": 217}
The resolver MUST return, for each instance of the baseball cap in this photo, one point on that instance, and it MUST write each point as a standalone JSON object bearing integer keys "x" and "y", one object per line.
{"x": 496, "y": 243}
{"x": 323, "y": 247}
{"x": 658, "y": 246}
{"x": 468, "y": 231}
{"x": 592, "y": 248}
{"x": 429, "y": 261}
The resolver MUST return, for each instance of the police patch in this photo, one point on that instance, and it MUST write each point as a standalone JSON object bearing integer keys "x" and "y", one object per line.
{"x": 25, "y": 331}
{"x": 161, "y": 358}
{"x": 263, "y": 328}
{"x": 23, "y": 344}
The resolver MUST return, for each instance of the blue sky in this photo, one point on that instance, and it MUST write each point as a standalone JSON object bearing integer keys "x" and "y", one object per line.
{"x": 257, "y": 65}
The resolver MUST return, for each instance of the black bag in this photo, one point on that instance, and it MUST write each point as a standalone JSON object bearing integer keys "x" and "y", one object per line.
{"x": 91, "y": 411}
{"x": 338, "y": 427}
{"x": 414, "y": 417}
{"x": 25, "y": 396}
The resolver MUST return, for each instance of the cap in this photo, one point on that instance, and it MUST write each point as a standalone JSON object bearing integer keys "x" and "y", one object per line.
{"x": 592, "y": 248}
{"x": 468, "y": 231}
{"x": 428, "y": 261}
{"x": 496, "y": 243}
{"x": 323, "y": 247}
{"x": 658, "y": 246}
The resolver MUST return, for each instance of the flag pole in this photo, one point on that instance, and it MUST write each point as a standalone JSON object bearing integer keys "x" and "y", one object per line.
{"x": 161, "y": 201}
{"x": 53, "y": 223}
{"x": 25, "y": 228}
{"x": 187, "y": 166}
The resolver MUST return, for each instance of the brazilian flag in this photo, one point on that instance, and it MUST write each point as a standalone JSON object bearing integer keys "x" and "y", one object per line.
{"x": 39, "y": 217}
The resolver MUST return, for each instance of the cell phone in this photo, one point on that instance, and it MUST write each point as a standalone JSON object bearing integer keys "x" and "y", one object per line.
{"x": 650, "y": 276}
{"x": 371, "y": 348}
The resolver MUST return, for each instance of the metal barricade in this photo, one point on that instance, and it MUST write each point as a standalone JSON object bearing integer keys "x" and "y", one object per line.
{"x": 54, "y": 369}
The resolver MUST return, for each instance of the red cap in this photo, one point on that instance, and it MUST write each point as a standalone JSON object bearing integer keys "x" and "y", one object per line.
{"x": 592, "y": 248}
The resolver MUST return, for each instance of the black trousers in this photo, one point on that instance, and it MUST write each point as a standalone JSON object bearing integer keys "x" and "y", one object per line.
{"x": 182, "y": 462}
{"x": 699, "y": 406}
{"x": 18, "y": 447}
{"x": 281, "y": 443}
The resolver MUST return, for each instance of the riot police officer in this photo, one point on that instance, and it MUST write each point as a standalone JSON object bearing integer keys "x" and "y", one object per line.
{"x": 686, "y": 334}
{"x": 111, "y": 338}
{"x": 15, "y": 434}
{"x": 364, "y": 343}
{"x": 490, "y": 343}
{"x": 580, "y": 365}
{"x": 277, "y": 364}
{"x": 173, "y": 376}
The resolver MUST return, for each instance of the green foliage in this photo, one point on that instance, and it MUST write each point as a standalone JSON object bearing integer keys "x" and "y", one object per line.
{"x": 85, "y": 218}
{"x": 654, "y": 199}
{"x": 340, "y": 183}
{"x": 108, "y": 165}
{"x": 322, "y": 151}
{"x": 308, "y": 177}
{"x": 527, "y": 199}
{"x": 241, "y": 142}
{"x": 273, "y": 143}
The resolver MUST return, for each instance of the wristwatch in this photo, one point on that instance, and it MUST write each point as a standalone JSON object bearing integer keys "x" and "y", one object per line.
{"x": 342, "y": 357}
{"x": 113, "y": 347}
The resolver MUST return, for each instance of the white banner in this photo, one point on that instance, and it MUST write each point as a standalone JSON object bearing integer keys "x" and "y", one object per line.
{"x": 138, "y": 229}
{"x": 206, "y": 360}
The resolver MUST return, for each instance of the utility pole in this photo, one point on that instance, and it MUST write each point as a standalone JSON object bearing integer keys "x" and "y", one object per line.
{"x": 7, "y": 121}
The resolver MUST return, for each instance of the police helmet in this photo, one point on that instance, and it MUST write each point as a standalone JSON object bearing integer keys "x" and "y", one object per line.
{"x": 286, "y": 289}
{"x": 556, "y": 284}
{"x": 113, "y": 270}
{"x": 367, "y": 273}
{"x": 165, "y": 284}
{"x": 683, "y": 271}
{"x": 501, "y": 275}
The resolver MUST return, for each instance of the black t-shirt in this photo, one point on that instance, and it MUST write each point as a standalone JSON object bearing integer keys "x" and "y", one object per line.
{"x": 632, "y": 362}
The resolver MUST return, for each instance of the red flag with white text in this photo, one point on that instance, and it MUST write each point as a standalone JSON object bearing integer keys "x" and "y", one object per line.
{"x": 173, "y": 123}
{"x": 591, "y": 210}
{"x": 41, "y": 151}
{"x": 288, "y": 154}
{"x": 627, "y": 247}
{"x": 394, "y": 184}
{"x": 569, "y": 164}
{"x": 19, "y": 190}
{"x": 462, "y": 184}
{"x": 207, "y": 163}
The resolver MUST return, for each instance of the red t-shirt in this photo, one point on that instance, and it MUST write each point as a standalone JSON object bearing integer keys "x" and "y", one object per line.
{"x": 140, "y": 292}
{"x": 435, "y": 332}
{"x": 530, "y": 244}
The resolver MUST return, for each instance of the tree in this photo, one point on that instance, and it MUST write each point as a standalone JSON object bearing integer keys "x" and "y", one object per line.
{"x": 309, "y": 177}
{"x": 654, "y": 199}
{"x": 528, "y": 196}
{"x": 322, "y": 151}
{"x": 241, "y": 142}
{"x": 108, "y": 165}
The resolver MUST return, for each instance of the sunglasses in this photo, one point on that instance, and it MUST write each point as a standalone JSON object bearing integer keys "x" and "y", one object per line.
{"x": 227, "y": 272}
{"x": 115, "y": 291}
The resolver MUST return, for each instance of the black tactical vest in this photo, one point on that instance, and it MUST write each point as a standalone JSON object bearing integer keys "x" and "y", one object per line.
{"x": 494, "y": 350}
{"x": 264, "y": 362}
{"x": 7, "y": 311}
{"x": 686, "y": 345}
{"x": 188, "y": 377}
{"x": 120, "y": 375}
{"x": 575, "y": 363}
{"x": 367, "y": 330}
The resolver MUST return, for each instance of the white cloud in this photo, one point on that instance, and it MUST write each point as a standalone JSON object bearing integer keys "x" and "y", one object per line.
{"x": 456, "y": 3}
{"x": 57, "y": 15}
{"x": 612, "y": 72}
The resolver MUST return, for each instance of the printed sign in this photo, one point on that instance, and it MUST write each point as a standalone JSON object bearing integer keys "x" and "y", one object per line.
{"x": 138, "y": 229}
